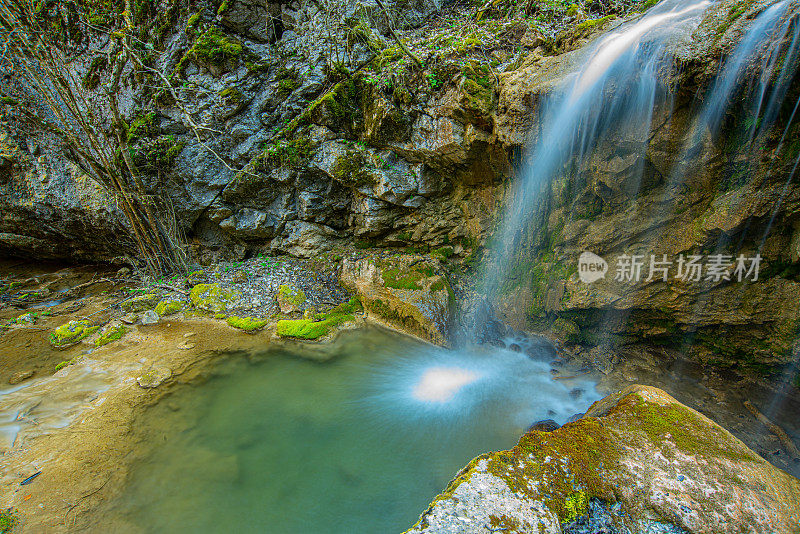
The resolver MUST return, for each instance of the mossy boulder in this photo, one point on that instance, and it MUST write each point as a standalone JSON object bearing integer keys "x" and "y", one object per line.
{"x": 248, "y": 324}
{"x": 662, "y": 462}
{"x": 70, "y": 333}
{"x": 141, "y": 303}
{"x": 213, "y": 298}
{"x": 321, "y": 324}
{"x": 170, "y": 307}
{"x": 290, "y": 299}
{"x": 402, "y": 292}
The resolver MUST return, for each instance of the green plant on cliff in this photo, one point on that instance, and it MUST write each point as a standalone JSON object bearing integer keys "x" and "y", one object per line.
{"x": 141, "y": 126}
{"x": 157, "y": 155}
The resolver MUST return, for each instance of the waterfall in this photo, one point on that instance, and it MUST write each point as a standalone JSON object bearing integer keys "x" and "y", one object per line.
{"x": 613, "y": 100}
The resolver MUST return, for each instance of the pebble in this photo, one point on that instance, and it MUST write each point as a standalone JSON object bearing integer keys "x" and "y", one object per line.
{"x": 186, "y": 345}
{"x": 150, "y": 317}
{"x": 20, "y": 376}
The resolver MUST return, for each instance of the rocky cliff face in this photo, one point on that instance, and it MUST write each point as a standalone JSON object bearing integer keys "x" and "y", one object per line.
{"x": 302, "y": 127}
{"x": 667, "y": 202}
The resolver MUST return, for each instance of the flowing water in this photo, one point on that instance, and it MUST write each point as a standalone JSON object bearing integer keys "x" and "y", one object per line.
{"x": 276, "y": 443}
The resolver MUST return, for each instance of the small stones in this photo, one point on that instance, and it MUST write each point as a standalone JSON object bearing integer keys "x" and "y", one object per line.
{"x": 154, "y": 377}
{"x": 150, "y": 317}
{"x": 186, "y": 345}
{"x": 140, "y": 304}
{"x": 130, "y": 318}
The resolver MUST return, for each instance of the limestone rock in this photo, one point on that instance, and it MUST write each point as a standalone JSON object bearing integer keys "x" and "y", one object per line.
{"x": 20, "y": 376}
{"x": 154, "y": 377}
{"x": 403, "y": 292}
{"x": 150, "y": 317}
{"x": 665, "y": 464}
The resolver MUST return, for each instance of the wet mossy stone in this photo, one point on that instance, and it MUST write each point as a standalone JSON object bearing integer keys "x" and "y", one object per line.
{"x": 140, "y": 304}
{"x": 72, "y": 332}
{"x": 639, "y": 448}
{"x": 170, "y": 307}
{"x": 113, "y": 334}
{"x": 248, "y": 324}
{"x": 320, "y": 324}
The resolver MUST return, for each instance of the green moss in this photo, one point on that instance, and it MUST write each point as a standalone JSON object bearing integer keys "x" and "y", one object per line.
{"x": 396, "y": 279}
{"x": 71, "y": 332}
{"x": 157, "y": 155}
{"x": 308, "y": 329}
{"x": 223, "y": 8}
{"x": 114, "y": 334}
{"x": 248, "y": 324}
{"x": 215, "y": 47}
{"x": 594, "y": 23}
{"x": 283, "y": 153}
{"x": 212, "y": 47}
{"x": 91, "y": 80}
{"x": 192, "y": 23}
{"x": 292, "y": 295}
{"x": 232, "y": 95}
{"x": 8, "y": 101}
{"x": 141, "y": 126}
{"x": 647, "y": 4}
{"x": 288, "y": 81}
{"x": 140, "y": 304}
{"x": 321, "y": 324}
{"x": 575, "y": 505}
{"x": 678, "y": 424}
{"x": 8, "y": 520}
{"x": 213, "y": 298}
{"x": 444, "y": 252}
{"x": 170, "y": 307}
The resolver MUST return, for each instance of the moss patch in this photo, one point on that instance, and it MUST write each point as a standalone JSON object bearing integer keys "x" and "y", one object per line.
{"x": 398, "y": 279}
{"x": 170, "y": 307}
{"x": 71, "y": 332}
{"x": 321, "y": 324}
{"x": 114, "y": 334}
{"x": 140, "y": 304}
{"x": 8, "y": 520}
{"x": 291, "y": 295}
{"x": 248, "y": 324}
{"x": 67, "y": 362}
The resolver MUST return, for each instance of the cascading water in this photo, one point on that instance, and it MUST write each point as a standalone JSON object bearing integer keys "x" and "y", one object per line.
{"x": 613, "y": 100}
{"x": 613, "y": 96}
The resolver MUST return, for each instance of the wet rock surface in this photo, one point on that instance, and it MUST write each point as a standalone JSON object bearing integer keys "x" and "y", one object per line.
{"x": 668, "y": 469}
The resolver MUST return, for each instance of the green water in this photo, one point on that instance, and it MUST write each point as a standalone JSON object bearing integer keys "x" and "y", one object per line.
{"x": 274, "y": 443}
